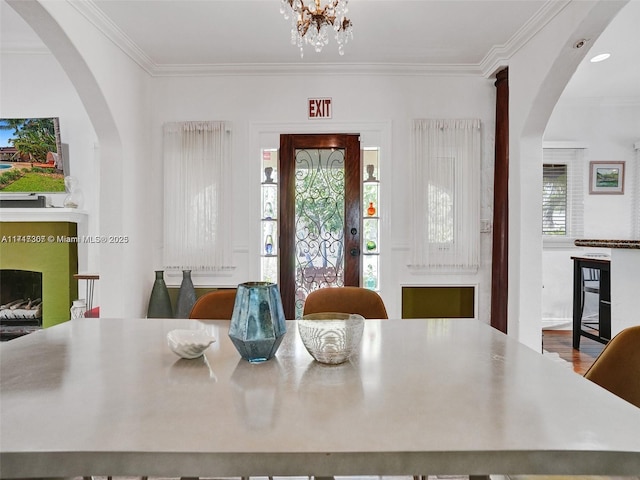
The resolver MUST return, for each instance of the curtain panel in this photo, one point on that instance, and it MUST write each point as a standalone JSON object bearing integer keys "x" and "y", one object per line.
{"x": 446, "y": 191}
{"x": 635, "y": 192}
{"x": 196, "y": 196}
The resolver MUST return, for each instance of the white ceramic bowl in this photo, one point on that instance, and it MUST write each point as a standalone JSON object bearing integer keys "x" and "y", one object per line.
{"x": 189, "y": 343}
{"x": 331, "y": 337}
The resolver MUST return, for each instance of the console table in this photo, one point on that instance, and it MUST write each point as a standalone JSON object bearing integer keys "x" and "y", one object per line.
{"x": 601, "y": 333}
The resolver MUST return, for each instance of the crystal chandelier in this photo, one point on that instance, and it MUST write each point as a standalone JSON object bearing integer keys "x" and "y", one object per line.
{"x": 312, "y": 23}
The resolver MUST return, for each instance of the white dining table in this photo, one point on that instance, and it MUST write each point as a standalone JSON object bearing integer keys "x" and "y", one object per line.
{"x": 437, "y": 396}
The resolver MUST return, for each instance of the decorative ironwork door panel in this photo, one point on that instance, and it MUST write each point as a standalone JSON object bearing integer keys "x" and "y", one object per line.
{"x": 320, "y": 215}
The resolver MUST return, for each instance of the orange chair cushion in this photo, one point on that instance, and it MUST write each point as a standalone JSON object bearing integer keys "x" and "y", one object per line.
{"x": 216, "y": 305}
{"x": 617, "y": 368}
{"x": 358, "y": 300}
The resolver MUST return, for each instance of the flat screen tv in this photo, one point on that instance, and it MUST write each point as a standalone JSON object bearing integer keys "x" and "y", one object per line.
{"x": 31, "y": 157}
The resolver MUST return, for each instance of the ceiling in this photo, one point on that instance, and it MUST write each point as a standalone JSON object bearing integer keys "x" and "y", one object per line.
{"x": 168, "y": 37}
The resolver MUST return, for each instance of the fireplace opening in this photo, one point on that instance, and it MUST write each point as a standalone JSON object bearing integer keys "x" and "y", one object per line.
{"x": 20, "y": 303}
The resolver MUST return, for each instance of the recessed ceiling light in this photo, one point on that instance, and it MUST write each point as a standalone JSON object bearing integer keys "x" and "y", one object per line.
{"x": 600, "y": 58}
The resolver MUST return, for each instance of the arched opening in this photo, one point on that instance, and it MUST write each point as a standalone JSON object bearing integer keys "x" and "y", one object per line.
{"x": 109, "y": 149}
{"x": 537, "y": 85}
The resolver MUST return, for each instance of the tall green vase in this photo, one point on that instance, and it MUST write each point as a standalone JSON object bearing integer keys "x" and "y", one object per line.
{"x": 186, "y": 296}
{"x": 159, "y": 302}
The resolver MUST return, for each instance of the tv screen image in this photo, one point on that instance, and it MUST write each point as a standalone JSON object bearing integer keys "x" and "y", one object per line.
{"x": 31, "y": 155}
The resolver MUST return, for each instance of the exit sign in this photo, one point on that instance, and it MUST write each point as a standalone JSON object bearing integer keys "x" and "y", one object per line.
{"x": 320, "y": 108}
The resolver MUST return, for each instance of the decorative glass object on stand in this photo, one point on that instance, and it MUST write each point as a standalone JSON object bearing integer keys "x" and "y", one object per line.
{"x": 371, "y": 210}
{"x": 268, "y": 211}
{"x": 370, "y": 176}
{"x": 370, "y": 281}
{"x": 159, "y": 301}
{"x": 268, "y": 245}
{"x": 74, "y": 198}
{"x": 186, "y": 296}
{"x": 268, "y": 171}
{"x": 257, "y": 323}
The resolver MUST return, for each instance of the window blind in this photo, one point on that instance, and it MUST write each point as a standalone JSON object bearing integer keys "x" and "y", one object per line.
{"x": 554, "y": 199}
{"x": 563, "y": 192}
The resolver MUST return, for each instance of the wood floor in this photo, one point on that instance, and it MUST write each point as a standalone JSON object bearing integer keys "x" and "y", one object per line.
{"x": 560, "y": 342}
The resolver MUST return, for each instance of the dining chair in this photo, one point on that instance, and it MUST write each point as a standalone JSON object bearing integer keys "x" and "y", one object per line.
{"x": 215, "y": 305}
{"x": 617, "y": 368}
{"x": 358, "y": 300}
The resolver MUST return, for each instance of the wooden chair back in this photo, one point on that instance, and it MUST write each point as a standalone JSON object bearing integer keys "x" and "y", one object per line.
{"x": 358, "y": 300}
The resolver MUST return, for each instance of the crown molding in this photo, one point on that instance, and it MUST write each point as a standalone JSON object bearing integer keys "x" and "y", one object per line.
{"x": 111, "y": 31}
{"x": 91, "y": 12}
{"x": 499, "y": 55}
{"x": 306, "y": 69}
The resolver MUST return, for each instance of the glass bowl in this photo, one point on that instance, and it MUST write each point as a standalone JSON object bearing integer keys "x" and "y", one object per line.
{"x": 189, "y": 343}
{"x": 331, "y": 337}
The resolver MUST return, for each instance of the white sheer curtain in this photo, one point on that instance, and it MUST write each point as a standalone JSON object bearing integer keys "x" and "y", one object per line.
{"x": 446, "y": 193}
{"x": 196, "y": 196}
{"x": 635, "y": 202}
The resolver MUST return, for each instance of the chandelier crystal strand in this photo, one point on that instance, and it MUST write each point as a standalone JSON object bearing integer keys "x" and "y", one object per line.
{"x": 312, "y": 23}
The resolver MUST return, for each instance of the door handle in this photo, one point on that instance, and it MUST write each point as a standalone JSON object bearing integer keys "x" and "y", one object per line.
{"x": 354, "y": 252}
{"x": 354, "y": 231}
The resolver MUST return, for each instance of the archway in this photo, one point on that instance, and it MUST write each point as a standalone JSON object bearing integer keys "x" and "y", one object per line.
{"x": 538, "y": 75}
{"x": 41, "y": 20}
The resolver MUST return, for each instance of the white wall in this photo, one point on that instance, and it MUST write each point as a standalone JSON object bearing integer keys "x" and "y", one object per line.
{"x": 608, "y": 132}
{"x": 380, "y": 108}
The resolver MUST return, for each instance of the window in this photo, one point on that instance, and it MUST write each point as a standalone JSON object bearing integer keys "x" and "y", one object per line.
{"x": 372, "y": 211}
{"x": 269, "y": 216}
{"x": 554, "y": 199}
{"x": 562, "y": 193}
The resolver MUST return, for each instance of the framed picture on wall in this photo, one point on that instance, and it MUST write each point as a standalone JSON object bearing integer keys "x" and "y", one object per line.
{"x": 606, "y": 178}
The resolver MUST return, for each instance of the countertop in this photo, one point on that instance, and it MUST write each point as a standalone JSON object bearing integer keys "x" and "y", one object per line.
{"x": 633, "y": 244}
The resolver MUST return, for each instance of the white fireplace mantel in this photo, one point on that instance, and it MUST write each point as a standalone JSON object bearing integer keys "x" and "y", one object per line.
{"x": 49, "y": 214}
